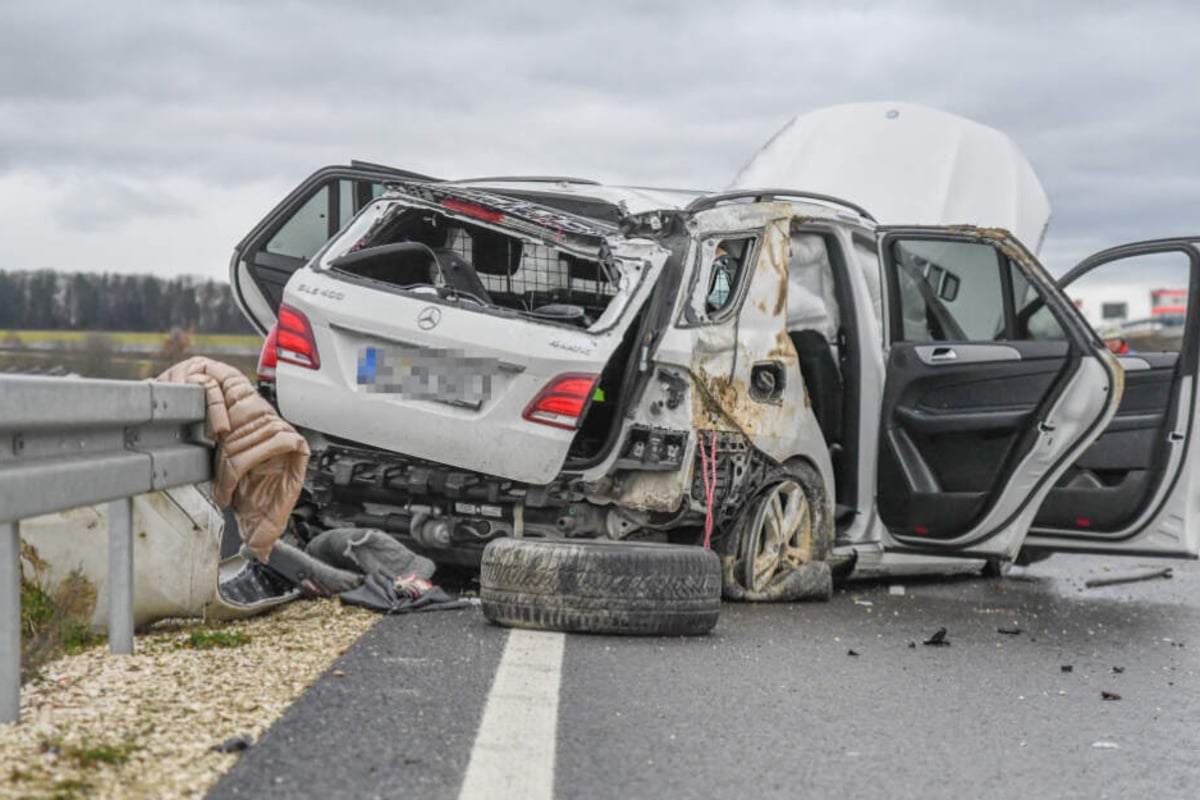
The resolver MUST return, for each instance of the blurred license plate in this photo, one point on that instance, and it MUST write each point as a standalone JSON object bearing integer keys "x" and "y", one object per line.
{"x": 443, "y": 376}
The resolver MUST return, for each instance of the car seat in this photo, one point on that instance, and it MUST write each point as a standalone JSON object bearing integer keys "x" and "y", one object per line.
{"x": 459, "y": 275}
{"x": 822, "y": 379}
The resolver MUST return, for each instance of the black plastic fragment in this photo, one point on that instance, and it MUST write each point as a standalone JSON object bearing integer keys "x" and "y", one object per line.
{"x": 234, "y": 744}
{"x": 938, "y": 639}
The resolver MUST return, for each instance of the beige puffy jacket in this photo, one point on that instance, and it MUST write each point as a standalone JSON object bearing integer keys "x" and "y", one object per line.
{"x": 260, "y": 459}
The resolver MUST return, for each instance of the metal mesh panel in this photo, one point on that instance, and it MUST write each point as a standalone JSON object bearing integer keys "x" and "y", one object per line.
{"x": 544, "y": 274}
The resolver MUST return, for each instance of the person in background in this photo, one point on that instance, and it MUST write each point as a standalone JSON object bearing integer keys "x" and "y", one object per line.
{"x": 1115, "y": 342}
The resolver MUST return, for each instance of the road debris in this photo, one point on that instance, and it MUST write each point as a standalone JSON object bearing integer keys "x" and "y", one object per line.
{"x": 1067, "y": 668}
{"x": 1094, "y": 583}
{"x": 852, "y": 652}
{"x": 234, "y": 744}
{"x": 896, "y": 589}
{"x": 1106, "y": 745}
{"x": 1013, "y": 631}
{"x": 938, "y": 639}
{"x": 1118, "y": 670}
{"x": 1107, "y": 695}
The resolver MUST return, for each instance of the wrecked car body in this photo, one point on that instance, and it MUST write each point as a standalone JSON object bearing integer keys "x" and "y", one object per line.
{"x": 770, "y": 371}
{"x": 515, "y": 394}
{"x": 917, "y": 395}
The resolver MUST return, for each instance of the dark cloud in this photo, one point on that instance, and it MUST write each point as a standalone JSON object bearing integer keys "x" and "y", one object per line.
{"x": 111, "y": 102}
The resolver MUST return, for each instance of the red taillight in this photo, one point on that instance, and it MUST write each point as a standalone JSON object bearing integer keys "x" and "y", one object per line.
{"x": 294, "y": 342}
{"x": 267, "y": 358}
{"x": 472, "y": 210}
{"x": 563, "y": 400}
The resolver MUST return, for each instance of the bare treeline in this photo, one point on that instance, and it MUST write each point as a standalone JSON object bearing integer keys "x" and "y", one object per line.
{"x": 49, "y": 300}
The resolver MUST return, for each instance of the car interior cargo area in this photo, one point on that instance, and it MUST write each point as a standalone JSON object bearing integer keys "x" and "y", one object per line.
{"x": 420, "y": 249}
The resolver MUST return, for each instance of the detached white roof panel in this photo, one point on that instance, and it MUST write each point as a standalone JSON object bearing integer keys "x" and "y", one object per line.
{"x": 908, "y": 165}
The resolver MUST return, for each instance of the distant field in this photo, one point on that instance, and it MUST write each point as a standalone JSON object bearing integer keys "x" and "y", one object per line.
{"x": 199, "y": 340}
{"x": 131, "y": 355}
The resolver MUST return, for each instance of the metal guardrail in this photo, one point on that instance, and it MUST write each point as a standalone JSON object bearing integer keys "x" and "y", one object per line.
{"x": 68, "y": 443}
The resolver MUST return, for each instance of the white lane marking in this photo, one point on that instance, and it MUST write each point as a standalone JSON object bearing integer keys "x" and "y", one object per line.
{"x": 513, "y": 755}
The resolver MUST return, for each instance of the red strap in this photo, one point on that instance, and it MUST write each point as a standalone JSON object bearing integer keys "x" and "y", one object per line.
{"x": 710, "y": 485}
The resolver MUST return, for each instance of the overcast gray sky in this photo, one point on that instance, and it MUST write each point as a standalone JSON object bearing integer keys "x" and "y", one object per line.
{"x": 150, "y": 136}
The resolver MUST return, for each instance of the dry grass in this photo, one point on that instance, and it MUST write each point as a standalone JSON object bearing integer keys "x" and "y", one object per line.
{"x": 54, "y": 619}
{"x": 143, "y": 726}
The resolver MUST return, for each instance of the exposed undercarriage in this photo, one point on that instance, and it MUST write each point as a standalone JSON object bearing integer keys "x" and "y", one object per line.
{"x": 452, "y": 514}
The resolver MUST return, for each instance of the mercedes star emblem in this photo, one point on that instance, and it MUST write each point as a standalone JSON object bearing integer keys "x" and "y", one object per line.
{"x": 429, "y": 318}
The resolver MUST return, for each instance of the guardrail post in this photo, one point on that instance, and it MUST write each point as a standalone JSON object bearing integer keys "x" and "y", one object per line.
{"x": 10, "y": 623}
{"x": 120, "y": 576}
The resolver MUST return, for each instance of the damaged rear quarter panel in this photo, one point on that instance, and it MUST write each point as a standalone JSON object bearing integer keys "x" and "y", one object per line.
{"x": 727, "y": 352}
{"x": 718, "y": 358}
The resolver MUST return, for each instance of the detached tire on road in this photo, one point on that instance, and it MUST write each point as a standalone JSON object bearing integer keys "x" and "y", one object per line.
{"x": 601, "y": 586}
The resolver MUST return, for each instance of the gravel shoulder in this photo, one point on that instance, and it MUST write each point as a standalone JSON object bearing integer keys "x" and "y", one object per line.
{"x": 99, "y": 725}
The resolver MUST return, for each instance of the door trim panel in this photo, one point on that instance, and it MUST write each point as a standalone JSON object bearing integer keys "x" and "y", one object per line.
{"x": 965, "y": 353}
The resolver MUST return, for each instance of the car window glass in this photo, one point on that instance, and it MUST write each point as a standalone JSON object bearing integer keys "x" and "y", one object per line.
{"x": 724, "y": 265}
{"x": 1034, "y": 320}
{"x": 1138, "y": 303}
{"x": 867, "y": 259}
{"x": 949, "y": 291}
{"x": 346, "y": 205}
{"x": 306, "y": 231}
{"x": 353, "y": 195}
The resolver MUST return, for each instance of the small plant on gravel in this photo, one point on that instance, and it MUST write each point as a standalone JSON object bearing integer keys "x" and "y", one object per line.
{"x": 88, "y": 754}
{"x": 93, "y": 755}
{"x": 71, "y": 789}
{"x": 207, "y": 640}
{"x": 54, "y": 619}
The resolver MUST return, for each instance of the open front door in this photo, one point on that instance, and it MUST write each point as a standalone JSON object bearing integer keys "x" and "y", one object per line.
{"x": 1134, "y": 490}
{"x": 296, "y": 229}
{"x": 985, "y": 403}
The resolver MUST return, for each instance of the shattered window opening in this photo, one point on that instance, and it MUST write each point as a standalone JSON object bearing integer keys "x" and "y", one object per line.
{"x": 410, "y": 248}
{"x": 726, "y": 264}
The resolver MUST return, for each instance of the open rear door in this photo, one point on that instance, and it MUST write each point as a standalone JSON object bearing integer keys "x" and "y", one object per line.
{"x": 1135, "y": 489}
{"x": 984, "y": 405}
{"x": 293, "y": 232}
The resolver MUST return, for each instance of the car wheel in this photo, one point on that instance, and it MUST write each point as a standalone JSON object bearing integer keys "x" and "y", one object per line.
{"x": 601, "y": 586}
{"x": 784, "y": 530}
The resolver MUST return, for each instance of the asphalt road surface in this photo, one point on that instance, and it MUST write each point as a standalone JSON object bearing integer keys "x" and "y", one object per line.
{"x": 774, "y": 703}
